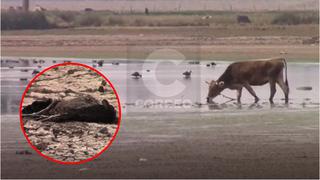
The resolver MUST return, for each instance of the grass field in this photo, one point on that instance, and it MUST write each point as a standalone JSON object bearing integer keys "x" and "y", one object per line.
{"x": 66, "y": 19}
{"x": 230, "y": 42}
{"x": 136, "y": 35}
{"x": 188, "y": 31}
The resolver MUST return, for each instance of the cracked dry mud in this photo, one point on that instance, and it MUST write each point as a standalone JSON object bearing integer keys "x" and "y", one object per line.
{"x": 70, "y": 141}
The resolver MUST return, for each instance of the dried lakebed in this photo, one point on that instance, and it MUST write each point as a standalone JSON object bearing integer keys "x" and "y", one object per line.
{"x": 69, "y": 141}
{"x": 69, "y": 137}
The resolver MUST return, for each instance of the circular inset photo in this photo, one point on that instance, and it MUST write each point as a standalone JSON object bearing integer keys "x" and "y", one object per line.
{"x": 70, "y": 113}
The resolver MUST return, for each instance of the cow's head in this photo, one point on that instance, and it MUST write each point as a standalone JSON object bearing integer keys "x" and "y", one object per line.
{"x": 215, "y": 88}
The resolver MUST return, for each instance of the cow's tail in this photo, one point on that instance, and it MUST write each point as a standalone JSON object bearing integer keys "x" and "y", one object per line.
{"x": 286, "y": 74}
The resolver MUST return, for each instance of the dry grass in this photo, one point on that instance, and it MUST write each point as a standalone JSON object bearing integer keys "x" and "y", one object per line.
{"x": 63, "y": 19}
{"x": 214, "y": 31}
{"x": 296, "y": 53}
{"x": 217, "y": 42}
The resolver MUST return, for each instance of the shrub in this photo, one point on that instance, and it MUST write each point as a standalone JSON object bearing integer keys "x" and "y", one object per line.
{"x": 286, "y": 19}
{"x": 139, "y": 22}
{"x": 310, "y": 19}
{"x": 291, "y": 18}
{"x": 89, "y": 20}
{"x": 66, "y": 16}
{"x": 11, "y": 20}
{"x": 113, "y": 20}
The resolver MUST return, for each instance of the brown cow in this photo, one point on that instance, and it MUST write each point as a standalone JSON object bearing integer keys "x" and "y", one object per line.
{"x": 255, "y": 73}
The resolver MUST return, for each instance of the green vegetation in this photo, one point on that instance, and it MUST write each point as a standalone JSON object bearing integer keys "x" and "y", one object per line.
{"x": 65, "y": 19}
{"x": 294, "y": 19}
{"x": 24, "y": 20}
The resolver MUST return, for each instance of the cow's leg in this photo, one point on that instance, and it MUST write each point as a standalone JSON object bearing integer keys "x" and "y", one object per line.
{"x": 239, "y": 92}
{"x": 284, "y": 88}
{"x": 251, "y": 91}
{"x": 272, "y": 90}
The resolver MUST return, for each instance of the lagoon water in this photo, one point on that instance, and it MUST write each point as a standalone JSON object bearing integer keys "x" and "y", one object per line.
{"x": 163, "y": 87}
{"x": 225, "y": 142}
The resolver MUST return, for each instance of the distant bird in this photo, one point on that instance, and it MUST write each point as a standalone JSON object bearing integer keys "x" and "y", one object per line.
{"x": 24, "y": 70}
{"x": 194, "y": 62}
{"x": 54, "y": 61}
{"x": 23, "y": 79}
{"x": 187, "y": 74}
{"x": 212, "y": 64}
{"x": 206, "y": 17}
{"x": 148, "y": 70}
{"x": 35, "y": 72}
{"x": 115, "y": 63}
{"x": 100, "y": 63}
{"x": 136, "y": 75}
{"x": 11, "y": 67}
{"x": 24, "y": 152}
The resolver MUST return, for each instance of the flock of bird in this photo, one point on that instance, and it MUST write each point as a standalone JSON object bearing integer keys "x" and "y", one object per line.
{"x": 99, "y": 63}
{"x": 186, "y": 74}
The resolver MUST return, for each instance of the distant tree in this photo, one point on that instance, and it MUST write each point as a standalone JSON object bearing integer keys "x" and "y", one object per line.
{"x": 23, "y": 20}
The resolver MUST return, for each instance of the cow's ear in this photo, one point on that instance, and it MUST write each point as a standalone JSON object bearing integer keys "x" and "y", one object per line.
{"x": 105, "y": 103}
{"x": 221, "y": 83}
{"x": 207, "y": 82}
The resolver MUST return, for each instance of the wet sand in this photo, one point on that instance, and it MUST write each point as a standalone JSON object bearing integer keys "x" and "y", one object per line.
{"x": 277, "y": 143}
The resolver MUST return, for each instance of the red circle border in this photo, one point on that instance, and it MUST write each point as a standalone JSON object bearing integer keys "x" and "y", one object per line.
{"x": 119, "y": 114}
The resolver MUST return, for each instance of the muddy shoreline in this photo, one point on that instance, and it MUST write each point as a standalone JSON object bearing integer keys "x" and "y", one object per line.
{"x": 269, "y": 144}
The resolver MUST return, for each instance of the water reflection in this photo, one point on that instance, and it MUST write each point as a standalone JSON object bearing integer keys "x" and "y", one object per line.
{"x": 151, "y": 90}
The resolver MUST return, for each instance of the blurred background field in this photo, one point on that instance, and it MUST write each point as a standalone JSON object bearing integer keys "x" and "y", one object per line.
{"x": 12, "y": 20}
{"x": 202, "y": 30}
{"x": 171, "y": 5}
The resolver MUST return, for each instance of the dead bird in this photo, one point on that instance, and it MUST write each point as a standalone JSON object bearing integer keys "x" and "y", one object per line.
{"x": 84, "y": 108}
{"x": 136, "y": 75}
{"x": 100, "y": 63}
{"x": 24, "y": 70}
{"x": 187, "y": 74}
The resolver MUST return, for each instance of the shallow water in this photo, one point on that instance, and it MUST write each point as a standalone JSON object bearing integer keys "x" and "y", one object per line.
{"x": 164, "y": 88}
